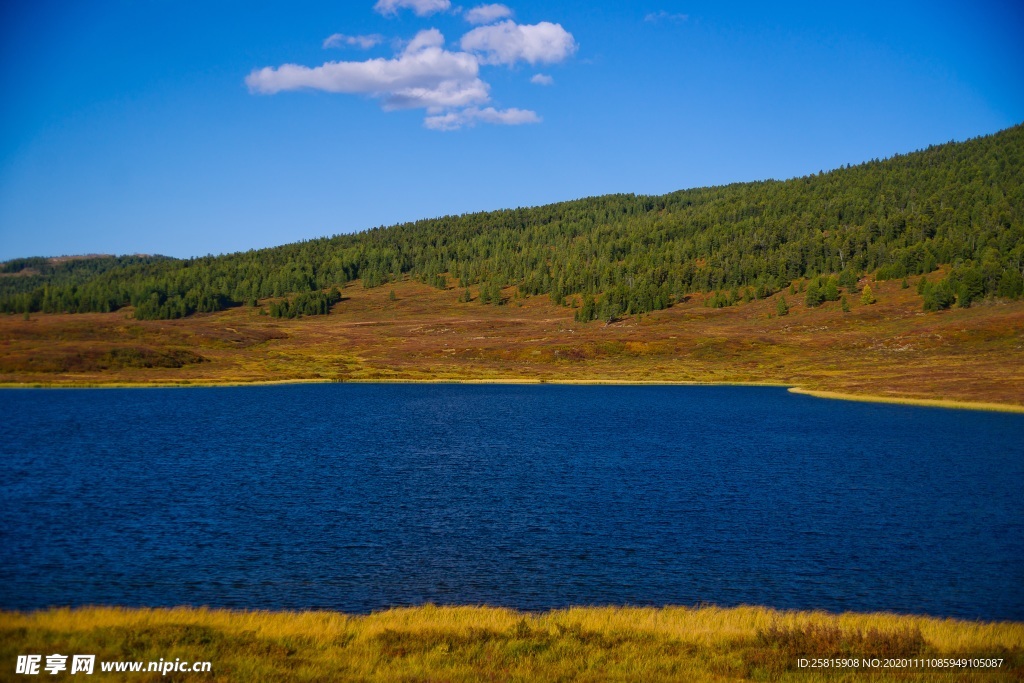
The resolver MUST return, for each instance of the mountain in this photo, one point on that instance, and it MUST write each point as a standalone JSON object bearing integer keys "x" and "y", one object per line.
{"x": 959, "y": 205}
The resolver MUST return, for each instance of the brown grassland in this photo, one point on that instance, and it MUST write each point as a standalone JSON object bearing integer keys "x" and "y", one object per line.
{"x": 888, "y": 350}
{"x": 458, "y": 644}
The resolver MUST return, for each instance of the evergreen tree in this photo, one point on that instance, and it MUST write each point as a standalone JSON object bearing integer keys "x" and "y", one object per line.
{"x": 815, "y": 297}
{"x": 867, "y": 297}
{"x": 938, "y": 296}
{"x": 830, "y": 292}
{"x": 587, "y": 311}
{"x": 848, "y": 279}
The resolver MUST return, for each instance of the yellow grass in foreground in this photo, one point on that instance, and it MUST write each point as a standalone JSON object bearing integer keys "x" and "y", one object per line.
{"x": 481, "y": 643}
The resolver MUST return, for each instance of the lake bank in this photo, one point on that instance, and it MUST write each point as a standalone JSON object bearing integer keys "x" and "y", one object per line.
{"x": 888, "y": 349}
{"x": 900, "y": 400}
{"x": 485, "y": 643}
{"x": 833, "y": 395}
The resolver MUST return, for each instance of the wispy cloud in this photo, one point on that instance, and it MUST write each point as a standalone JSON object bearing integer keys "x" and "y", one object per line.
{"x": 471, "y": 115}
{"x": 662, "y": 15}
{"x": 486, "y": 14}
{"x": 542, "y": 79}
{"x": 509, "y": 42}
{"x": 363, "y": 42}
{"x": 422, "y": 8}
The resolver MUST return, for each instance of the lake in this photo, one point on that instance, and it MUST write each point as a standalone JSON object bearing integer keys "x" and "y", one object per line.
{"x": 361, "y": 497}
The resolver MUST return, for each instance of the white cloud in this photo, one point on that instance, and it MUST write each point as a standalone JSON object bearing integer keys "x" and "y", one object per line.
{"x": 662, "y": 15}
{"x": 471, "y": 115}
{"x": 422, "y": 8}
{"x": 444, "y": 95}
{"x": 509, "y": 42}
{"x": 364, "y": 42}
{"x": 486, "y": 14}
{"x": 425, "y": 75}
{"x": 424, "y": 39}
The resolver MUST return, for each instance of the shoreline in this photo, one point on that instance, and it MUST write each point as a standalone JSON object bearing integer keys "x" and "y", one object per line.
{"x": 815, "y": 393}
{"x": 441, "y": 607}
{"x": 921, "y": 402}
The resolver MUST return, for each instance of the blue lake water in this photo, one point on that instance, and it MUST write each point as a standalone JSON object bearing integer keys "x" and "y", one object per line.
{"x": 360, "y": 497}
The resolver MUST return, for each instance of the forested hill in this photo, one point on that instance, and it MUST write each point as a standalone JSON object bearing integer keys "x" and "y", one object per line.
{"x": 957, "y": 204}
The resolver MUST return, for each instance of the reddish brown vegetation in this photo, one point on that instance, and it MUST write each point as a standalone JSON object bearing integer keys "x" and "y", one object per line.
{"x": 891, "y": 348}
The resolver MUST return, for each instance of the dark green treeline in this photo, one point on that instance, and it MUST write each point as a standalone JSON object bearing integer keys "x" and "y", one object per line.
{"x": 960, "y": 204}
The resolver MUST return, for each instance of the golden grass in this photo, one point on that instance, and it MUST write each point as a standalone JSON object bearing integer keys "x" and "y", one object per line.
{"x": 432, "y": 643}
{"x": 930, "y": 403}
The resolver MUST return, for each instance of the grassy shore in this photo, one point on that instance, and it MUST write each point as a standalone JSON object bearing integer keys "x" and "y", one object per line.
{"x": 890, "y": 350}
{"x": 928, "y": 403}
{"x": 864, "y": 398}
{"x": 489, "y": 644}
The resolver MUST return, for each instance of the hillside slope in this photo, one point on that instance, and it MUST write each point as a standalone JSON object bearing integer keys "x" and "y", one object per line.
{"x": 959, "y": 204}
{"x": 889, "y": 349}
{"x": 898, "y": 278}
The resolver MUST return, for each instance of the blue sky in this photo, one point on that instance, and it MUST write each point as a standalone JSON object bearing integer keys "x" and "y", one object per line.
{"x": 175, "y": 127}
